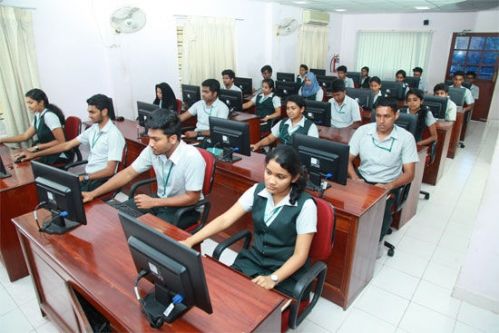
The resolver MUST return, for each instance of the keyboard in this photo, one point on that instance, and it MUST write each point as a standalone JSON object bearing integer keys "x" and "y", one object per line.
{"x": 129, "y": 210}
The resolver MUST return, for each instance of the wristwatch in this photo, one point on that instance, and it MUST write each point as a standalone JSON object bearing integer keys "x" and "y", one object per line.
{"x": 86, "y": 177}
{"x": 37, "y": 148}
{"x": 274, "y": 278}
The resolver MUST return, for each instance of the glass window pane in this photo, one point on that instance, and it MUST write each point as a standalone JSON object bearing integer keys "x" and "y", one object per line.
{"x": 472, "y": 69}
{"x": 486, "y": 72}
{"x": 461, "y": 43}
{"x": 477, "y": 43}
{"x": 489, "y": 58}
{"x": 492, "y": 43}
{"x": 456, "y": 67}
{"x": 458, "y": 57}
{"x": 473, "y": 57}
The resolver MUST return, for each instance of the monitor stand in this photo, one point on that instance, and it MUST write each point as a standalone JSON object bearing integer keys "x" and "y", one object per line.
{"x": 58, "y": 225}
{"x": 156, "y": 302}
{"x": 316, "y": 183}
{"x": 224, "y": 154}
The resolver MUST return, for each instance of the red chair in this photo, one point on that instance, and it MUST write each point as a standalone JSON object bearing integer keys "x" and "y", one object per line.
{"x": 320, "y": 249}
{"x": 179, "y": 106}
{"x": 209, "y": 176}
{"x": 72, "y": 128}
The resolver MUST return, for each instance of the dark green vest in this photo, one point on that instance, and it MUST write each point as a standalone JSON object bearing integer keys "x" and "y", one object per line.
{"x": 288, "y": 139}
{"x": 266, "y": 107}
{"x": 45, "y": 135}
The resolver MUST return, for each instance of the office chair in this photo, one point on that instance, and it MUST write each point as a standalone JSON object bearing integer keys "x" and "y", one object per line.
{"x": 179, "y": 106}
{"x": 320, "y": 250}
{"x": 72, "y": 128}
{"x": 400, "y": 196}
{"x": 430, "y": 158}
{"x": 209, "y": 176}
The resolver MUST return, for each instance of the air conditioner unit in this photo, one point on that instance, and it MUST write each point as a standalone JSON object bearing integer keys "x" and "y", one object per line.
{"x": 315, "y": 17}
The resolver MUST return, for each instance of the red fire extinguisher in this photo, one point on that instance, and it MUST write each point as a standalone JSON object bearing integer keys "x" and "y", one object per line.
{"x": 334, "y": 61}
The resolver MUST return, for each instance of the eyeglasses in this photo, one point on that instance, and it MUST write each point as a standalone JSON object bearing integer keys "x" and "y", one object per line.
{"x": 384, "y": 148}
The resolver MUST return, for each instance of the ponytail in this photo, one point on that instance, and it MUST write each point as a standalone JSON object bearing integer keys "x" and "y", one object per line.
{"x": 58, "y": 112}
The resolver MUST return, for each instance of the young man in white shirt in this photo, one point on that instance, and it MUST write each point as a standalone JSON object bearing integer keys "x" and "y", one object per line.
{"x": 228, "y": 77}
{"x": 418, "y": 72}
{"x": 364, "y": 77}
{"x": 342, "y": 75}
{"x": 457, "y": 81}
{"x": 443, "y": 91}
{"x": 475, "y": 90}
{"x": 179, "y": 170}
{"x": 104, "y": 139}
{"x": 208, "y": 106}
{"x": 345, "y": 110}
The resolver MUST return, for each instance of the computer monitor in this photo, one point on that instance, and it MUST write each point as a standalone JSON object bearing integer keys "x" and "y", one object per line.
{"x": 190, "y": 94}
{"x": 245, "y": 84}
{"x": 175, "y": 270}
{"x": 59, "y": 191}
{"x": 323, "y": 159}
{"x": 355, "y": 76}
{"x": 287, "y": 77}
{"x": 318, "y": 112}
{"x": 229, "y": 136}
{"x": 464, "y": 84}
{"x": 457, "y": 95}
{"x": 363, "y": 96}
{"x": 393, "y": 89}
{"x": 437, "y": 105}
{"x": 412, "y": 81}
{"x": 145, "y": 111}
{"x": 405, "y": 120}
{"x": 318, "y": 71}
{"x": 326, "y": 81}
{"x": 285, "y": 89}
{"x": 232, "y": 98}
{"x": 3, "y": 171}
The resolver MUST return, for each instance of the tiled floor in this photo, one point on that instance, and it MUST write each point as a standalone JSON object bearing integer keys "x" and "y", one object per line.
{"x": 410, "y": 291}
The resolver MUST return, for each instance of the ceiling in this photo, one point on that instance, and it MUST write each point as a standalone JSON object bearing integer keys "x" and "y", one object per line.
{"x": 392, "y": 6}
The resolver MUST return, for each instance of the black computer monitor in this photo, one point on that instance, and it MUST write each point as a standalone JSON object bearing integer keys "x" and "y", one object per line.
{"x": 355, "y": 76}
{"x": 3, "y": 171}
{"x": 285, "y": 89}
{"x": 326, "y": 81}
{"x": 437, "y": 105}
{"x": 190, "y": 94}
{"x": 405, "y": 120}
{"x": 323, "y": 159}
{"x": 457, "y": 95}
{"x": 174, "y": 269}
{"x": 318, "y": 112}
{"x": 59, "y": 191}
{"x": 287, "y": 77}
{"x": 229, "y": 136}
{"x": 318, "y": 71}
{"x": 363, "y": 96}
{"x": 232, "y": 98}
{"x": 412, "y": 81}
{"x": 145, "y": 111}
{"x": 464, "y": 84}
{"x": 393, "y": 89}
{"x": 245, "y": 84}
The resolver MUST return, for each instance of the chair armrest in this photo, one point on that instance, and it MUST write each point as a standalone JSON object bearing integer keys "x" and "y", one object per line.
{"x": 317, "y": 271}
{"x": 204, "y": 217}
{"x": 246, "y": 234}
{"x": 138, "y": 184}
{"x": 74, "y": 164}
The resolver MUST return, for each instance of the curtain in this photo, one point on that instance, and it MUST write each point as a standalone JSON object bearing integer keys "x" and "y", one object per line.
{"x": 208, "y": 48}
{"x": 18, "y": 69}
{"x": 313, "y": 44}
{"x": 386, "y": 52}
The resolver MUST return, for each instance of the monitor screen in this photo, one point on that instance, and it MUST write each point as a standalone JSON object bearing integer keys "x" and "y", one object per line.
{"x": 393, "y": 89}
{"x": 245, "y": 84}
{"x": 318, "y": 112}
{"x": 324, "y": 159}
{"x": 363, "y": 96}
{"x": 233, "y": 99}
{"x": 287, "y": 77}
{"x": 412, "y": 81}
{"x": 355, "y": 76}
{"x": 173, "y": 268}
{"x": 59, "y": 191}
{"x": 457, "y": 95}
{"x": 145, "y": 111}
{"x": 3, "y": 171}
{"x": 318, "y": 71}
{"x": 405, "y": 120}
{"x": 437, "y": 105}
{"x": 229, "y": 136}
{"x": 464, "y": 84}
{"x": 285, "y": 89}
{"x": 326, "y": 82}
{"x": 190, "y": 94}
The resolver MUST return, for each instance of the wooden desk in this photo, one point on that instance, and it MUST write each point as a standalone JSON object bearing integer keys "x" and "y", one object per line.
{"x": 341, "y": 135}
{"x": 359, "y": 209}
{"x": 94, "y": 260}
{"x": 17, "y": 196}
{"x": 434, "y": 171}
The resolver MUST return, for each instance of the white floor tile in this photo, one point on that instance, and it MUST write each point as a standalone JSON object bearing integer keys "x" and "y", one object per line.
{"x": 22, "y": 290}
{"x": 437, "y": 298}
{"x": 454, "y": 241}
{"x": 4, "y": 278}
{"x": 48, "y": 327}
{"x": 441, "y": 275}
{"x": 328, "y": 314}
{"x": 31, "y": 310}
{"x": 7, "y": 304}
{"x": 407, "y": 263}
{"x": 361, "y": 322}
{"x": 396, "y": 282}
{"x": 416, "y": 247}
{"x": 448, "y": 258}
{"x": 15, "y": 321}
{"x": 390, "y": 309}
{"x": 426, "y": 233}
{"x": 463, "y": 328}
{"x": 478, "y": 318}
{"x": 419, "y": 319}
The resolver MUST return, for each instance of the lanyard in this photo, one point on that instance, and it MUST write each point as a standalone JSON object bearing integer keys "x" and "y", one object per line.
{"x": 95, "y": 139}
{"x": 341, "y": 108}
{"x": 38, "y": 123}
{"x": 275, "y": 212}
{"x": 211, "y": 108}
{"x": 167, "y": 178}
{"x": 384, "y": 148}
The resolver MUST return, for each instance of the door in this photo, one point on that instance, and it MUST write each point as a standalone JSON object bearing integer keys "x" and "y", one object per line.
{"x": 477, "y": 52}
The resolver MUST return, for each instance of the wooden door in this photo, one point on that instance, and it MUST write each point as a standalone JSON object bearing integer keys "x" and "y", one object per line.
{"x": 477, "y": 52}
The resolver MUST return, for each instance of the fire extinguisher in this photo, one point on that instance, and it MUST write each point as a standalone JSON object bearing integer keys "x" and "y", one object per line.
{"x": 334, "y": 61}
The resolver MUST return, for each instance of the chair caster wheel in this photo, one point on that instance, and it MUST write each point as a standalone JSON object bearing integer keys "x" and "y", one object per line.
{"x": 389, "y": 232}
{"x": 427, "y": 196}
{"x": 391, "y": 252}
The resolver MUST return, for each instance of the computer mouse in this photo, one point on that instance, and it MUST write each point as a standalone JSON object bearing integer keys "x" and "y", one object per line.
{"x": 19, "y": 159}
{"x": 120, "y": 118}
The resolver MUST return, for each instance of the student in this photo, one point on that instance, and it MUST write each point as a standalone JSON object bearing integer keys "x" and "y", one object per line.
{"x": 400, "y": 77}
{"x": 47, "y": 125}
{"x": 208, "y": 106}
{"x": 311, "y": 88}
{"x": 105, "y": 143}
{"x": 457, "y": 81}
{"x": 414, "y": 101}
{"x": 228, "y": 76}
{"x": 443, "y": 91}
{"x": 364, "y": 77}
{"x": 179, "y": 170}
{"x": 284, "y": 220}
{"x": 387, "y": 155}
{"x": 375, "y": 86}
{"x": 165, "y": 97}
{"x": 418, "y": 72}
{"x": 301, "y": 76}
{"x": 344, "y": 109}
{"x": 475, "y": 90}
{"x": 342, "y": 75}
{"x": 266, "y": 74}
{"x": 286, "y": 128}
{"x": 268, "y": 105}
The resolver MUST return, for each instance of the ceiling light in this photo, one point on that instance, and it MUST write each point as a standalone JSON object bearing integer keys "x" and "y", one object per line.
{"x": 422, "y": 7}
{"x": 340, "y": 10}
{"x": 301, "y": 2}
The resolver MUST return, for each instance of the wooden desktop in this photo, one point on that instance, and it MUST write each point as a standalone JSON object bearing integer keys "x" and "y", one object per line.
{"x": 434, "y": 171}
